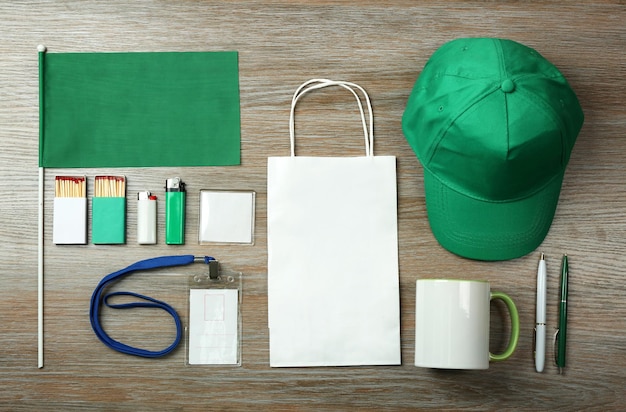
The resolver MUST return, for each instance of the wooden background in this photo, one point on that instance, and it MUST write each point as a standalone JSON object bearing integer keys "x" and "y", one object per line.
{"x": 381, "y": 45}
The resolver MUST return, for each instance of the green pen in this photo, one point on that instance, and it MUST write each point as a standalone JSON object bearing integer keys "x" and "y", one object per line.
{"x": 561, "y": 333}
{"x": 174, "y": 211}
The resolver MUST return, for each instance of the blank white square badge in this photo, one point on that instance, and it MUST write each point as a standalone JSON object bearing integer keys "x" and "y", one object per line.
{"x": 226, "y": 216}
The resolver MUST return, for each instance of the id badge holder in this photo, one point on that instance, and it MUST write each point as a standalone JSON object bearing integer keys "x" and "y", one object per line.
{"x": 213, "y": 333}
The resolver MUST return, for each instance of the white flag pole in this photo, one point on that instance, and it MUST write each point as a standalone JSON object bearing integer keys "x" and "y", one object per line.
{"x": 41, "y": 49}
{"x": 40, "y": 273}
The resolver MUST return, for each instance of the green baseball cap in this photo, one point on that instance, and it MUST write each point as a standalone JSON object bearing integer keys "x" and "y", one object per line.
{"x": 493, "y": 124}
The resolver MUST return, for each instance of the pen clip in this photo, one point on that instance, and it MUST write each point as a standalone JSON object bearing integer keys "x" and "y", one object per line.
{"x": 555, "y": 347}
{"x": 534, "y": 342}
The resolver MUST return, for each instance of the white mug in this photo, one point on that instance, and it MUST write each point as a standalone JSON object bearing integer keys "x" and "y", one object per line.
{"x": 452, "y": 324}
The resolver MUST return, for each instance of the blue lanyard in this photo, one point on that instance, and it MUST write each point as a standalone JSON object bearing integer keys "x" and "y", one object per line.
{"x": 145, "y": 302}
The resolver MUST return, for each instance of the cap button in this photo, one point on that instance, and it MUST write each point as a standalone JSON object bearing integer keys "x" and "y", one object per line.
{"x": 507, "y": 86}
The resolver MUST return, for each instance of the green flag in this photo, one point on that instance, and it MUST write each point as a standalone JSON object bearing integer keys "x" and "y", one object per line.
{"x": 139, "y": 109}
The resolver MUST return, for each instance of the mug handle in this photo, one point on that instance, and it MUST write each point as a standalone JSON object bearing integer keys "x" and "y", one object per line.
{"x": 514, "y": 327}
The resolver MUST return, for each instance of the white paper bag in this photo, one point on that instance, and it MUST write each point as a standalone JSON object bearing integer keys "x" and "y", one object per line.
{"x": 333, "y": 255}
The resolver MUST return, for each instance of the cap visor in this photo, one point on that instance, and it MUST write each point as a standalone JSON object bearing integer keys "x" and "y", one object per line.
{"x": 485, "y": 230}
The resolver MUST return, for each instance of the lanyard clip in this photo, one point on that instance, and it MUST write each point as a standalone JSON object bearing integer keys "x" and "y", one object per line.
{"x": 214, "y": 269}
{"x": 214, "y": 265}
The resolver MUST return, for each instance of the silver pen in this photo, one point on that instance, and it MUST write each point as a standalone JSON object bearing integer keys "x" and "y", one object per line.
{"x": 540, "y": 322}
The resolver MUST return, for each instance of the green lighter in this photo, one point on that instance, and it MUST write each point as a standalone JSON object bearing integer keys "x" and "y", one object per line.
{"x": 174, "y": 211}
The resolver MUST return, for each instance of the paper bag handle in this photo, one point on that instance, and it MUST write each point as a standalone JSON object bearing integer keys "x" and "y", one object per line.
{"x": 314, "y": 84}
